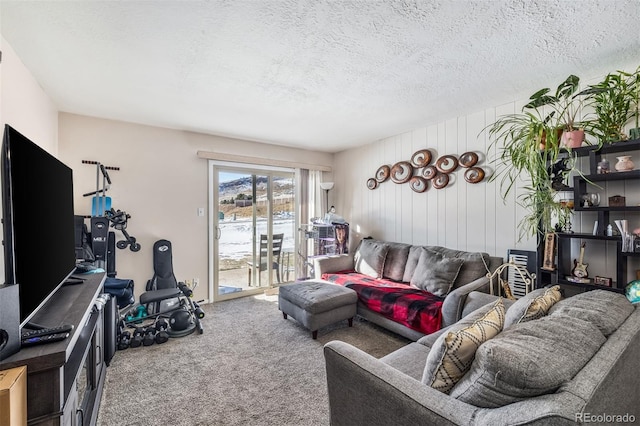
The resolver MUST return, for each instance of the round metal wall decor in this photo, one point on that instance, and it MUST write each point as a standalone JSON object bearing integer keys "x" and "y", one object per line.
{"x": 372, "y": 183}
{"x": 421, "y": 158}
{"x": 468, "y": 159}
{"x": 383, "y": 173}
{"x": 474, "y": 174}
{"x": 429, "y": 172}
{"x": 418, "y": 184}
{"x": 441, "y": 181}
{"x": 401, "y": 172}
{"x": 447, "y": 163}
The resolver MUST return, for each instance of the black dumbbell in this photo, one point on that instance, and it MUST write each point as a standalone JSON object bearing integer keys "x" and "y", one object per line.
{"x": 161, "y": 331}
{"x": 124, "y": 339}
{"x": 138, "y": 336}
{"x": 149, "y": 336}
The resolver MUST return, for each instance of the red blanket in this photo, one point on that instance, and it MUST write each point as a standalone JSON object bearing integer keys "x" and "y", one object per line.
{"x": 399, "y": 302}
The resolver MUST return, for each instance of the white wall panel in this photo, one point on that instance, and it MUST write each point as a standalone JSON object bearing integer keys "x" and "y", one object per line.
{"x": 462, "y": 215}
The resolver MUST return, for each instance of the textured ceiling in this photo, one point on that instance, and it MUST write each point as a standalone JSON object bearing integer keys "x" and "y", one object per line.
{"x": 316, "y": 74}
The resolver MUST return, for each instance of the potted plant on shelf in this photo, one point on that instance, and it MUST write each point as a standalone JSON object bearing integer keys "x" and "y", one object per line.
{"x": 612, "y": 102}
{"x": 528, "y": 145}
{"x": 633, "y": 80}
{"x": 565, "y": 106}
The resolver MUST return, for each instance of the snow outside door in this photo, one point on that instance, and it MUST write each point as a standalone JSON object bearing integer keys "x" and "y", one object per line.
{"x": 251, "y": 208}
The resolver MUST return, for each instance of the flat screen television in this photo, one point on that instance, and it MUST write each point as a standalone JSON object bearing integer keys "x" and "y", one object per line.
{"x": 38, "y": 221}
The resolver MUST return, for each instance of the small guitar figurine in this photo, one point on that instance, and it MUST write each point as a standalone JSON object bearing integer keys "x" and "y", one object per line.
{"x": 580, "y": 268}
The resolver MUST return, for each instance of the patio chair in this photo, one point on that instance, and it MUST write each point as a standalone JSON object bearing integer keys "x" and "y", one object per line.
{"x": 263, "y": 256}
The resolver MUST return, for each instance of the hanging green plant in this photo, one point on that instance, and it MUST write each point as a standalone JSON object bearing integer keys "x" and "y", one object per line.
{"x": 527, "y": 145}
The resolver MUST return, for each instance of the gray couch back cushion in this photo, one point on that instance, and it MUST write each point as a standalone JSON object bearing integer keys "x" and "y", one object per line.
{"x": 527, "y": 360}
{"x": 412, "y": 263}
{"x": 605, "y": 309}
{"x": 476, "y": 265}
{"x": 396, "y": 261}
{"x": 370, "y": 256}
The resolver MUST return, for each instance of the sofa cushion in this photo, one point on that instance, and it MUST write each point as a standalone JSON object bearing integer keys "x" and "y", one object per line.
{"x": 476, "y": 264}
{"x": 605, "y": 309}
{"x": 452, "y": 353}
{"x": 370, "y": 256}
{"x": 396, "y": 261}
{"x": 527, "y": 360}
{"x": 435, "y": 273}
{"x": 532, "y": 306}
{"x": 412, "y": 263}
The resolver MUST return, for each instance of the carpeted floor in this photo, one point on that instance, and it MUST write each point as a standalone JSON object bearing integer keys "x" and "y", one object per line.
{"x": 250, "y": 367}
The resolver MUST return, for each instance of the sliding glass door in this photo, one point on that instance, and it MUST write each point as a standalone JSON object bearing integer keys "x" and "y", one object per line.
{"x": 253, "y": 229}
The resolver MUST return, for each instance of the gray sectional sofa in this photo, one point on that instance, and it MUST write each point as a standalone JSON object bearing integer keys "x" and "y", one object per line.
{"x": 398, "y": 263}
{"x": 576, "y": 364}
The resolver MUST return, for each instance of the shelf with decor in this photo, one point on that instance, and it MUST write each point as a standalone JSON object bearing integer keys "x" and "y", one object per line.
{"x": 611, "y": 203}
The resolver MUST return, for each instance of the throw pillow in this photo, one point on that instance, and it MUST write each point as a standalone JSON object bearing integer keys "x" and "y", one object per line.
{"x": 476, "y": 264}
{"x": 532, "y": 306}
{"x": 605, "y": 309}
{"x": 453, "y": 352}
{"x": 370, "y": 256}
{"x": 527, "y": 360}
{"x": 435, "y": 273}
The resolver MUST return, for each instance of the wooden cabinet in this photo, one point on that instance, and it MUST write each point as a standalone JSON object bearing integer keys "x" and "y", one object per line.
{"x": 606, "y": 256}
{"x": 65, "y": 379}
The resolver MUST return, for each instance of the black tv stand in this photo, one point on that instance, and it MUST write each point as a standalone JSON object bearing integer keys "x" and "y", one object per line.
{"x": 65, "y": 378}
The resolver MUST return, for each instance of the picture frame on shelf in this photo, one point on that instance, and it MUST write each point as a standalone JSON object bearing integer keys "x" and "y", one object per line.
{"x": 605, "y": 281}
{"x": 549, "y": 252}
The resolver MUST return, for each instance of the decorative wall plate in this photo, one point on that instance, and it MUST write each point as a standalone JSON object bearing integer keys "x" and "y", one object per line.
{"x": 383, "y": 173}
{"x": 447, "y": 163}
{"x": 474, "y": 174}
{"x": 418, "y": 184}
{"x": 421, "y": 158}
{"x": 429, "y": 172}
{"x": 372, "y": 183}
{"x": 401, "y": 172}
{"x": 468, "y": 159}
{"x": 440, "y": 181}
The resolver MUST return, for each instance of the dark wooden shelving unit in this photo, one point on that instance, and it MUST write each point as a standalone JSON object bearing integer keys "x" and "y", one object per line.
{"x": 581, "y": 185}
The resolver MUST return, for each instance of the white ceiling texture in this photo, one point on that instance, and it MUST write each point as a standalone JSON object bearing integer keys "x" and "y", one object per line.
{"x": 317, "y": 74}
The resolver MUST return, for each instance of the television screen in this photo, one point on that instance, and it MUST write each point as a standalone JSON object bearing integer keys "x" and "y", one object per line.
{"x": 39, "y": 240}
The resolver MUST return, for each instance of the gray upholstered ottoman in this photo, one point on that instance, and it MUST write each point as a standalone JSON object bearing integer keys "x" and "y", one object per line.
{"x": 316, "y": 304}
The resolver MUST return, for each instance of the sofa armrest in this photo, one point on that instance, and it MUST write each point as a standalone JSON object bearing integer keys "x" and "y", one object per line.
{"x": 453, "y": 305}
{"x": 325, "y": 265}
{"x": 365, "y": 391}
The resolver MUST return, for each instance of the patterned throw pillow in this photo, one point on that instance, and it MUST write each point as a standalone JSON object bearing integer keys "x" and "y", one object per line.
{"x": 532, "y": 306}
{"x": 453, "y": 352}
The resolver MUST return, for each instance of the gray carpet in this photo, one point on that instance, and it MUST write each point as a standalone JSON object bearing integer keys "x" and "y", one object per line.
{"x": 250, "y": 367}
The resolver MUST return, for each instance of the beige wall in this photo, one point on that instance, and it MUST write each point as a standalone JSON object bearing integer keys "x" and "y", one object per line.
{"x": 24, "y": 104}
{"x": 161, "y": 184}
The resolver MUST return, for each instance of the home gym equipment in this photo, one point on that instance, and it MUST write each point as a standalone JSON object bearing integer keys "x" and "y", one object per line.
{"x": 161, "y": 331}
{"x": 149, "y": 336}
{"x": 138, "y": 336}
{"x": 119, "y": 220}
{"x": 100, "y": 202}
{"x": 166, "y": 296}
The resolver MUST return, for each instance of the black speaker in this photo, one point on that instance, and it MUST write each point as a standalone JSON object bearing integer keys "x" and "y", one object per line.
{"x": 110, "y": 328}
{"x": 9, "y": 320}
{"x": 99, "y": 236}
{"x": 111, "y": 255}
